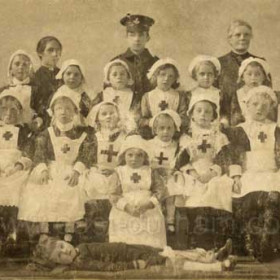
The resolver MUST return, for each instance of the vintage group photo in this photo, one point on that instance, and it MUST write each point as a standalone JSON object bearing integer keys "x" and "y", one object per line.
{"x": 140, "y": 139}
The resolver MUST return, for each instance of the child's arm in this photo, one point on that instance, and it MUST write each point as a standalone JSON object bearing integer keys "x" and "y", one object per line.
{"x": 145, "y": 111}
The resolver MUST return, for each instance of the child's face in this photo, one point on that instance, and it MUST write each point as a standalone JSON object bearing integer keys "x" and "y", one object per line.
{"x": 137, "y": 40}
{"x": 64, "y": 110}
{"x": 165, "y": 128}
{"x": 51, "y": 54}
{"x": 118, "y": 77}
{"x": 166, "y": 78}
{"x": 20, "y": 67}
{"x": 253, "y": 76}
{"x": 9, "y": 111}
{"x": 203, "y": 114}
{"x": 259, "y": 107}
{"x": 205, "y": 75}
{"x": 134, "y": 158}
{"x": 240, "y": 39}
{"x": 108, "y": 116}
{"x": 63, "y": 253}
{"x": 72, "y": 77}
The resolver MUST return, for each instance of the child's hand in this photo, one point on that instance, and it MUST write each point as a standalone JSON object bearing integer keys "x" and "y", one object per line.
{"x": 73, "y": 178}
{"x": 145, "y": 206}
{"x": 45, "y": 177}
{"x": 237, "y": 185}
{"x": 11, "y": 171}
{"x": 132, "y": 210}
{"x": 106, "y": 172}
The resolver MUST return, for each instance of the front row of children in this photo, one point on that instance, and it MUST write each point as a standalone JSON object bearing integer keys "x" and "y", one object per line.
{"x": 201, "y": 172}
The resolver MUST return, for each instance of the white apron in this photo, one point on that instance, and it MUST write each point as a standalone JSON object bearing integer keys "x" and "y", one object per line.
{"x": 11, "y": 186}
{"x": 149, "y": 228}
{"x": 260, "y": 167}
{"x": 217, "y": 193}
{"x": 55, "y": 201}
{"x": 161, "y": 100}
{"x": 98, "y": 186}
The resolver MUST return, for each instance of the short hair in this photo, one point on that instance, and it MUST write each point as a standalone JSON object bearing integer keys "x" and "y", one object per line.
{"x": 43, "y": 43}
{"x": 13, "y": 99}
{"x": 214, "y": 106}
{"x": 164, "y": 67}
{"x": 207, "y": 62}
{"x": 235, "y": 23}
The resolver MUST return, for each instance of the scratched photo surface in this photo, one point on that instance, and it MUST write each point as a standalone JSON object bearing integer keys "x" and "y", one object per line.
{"x": 99, "y": 179}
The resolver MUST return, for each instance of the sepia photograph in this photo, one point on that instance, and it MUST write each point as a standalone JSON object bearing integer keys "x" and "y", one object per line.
{"x": 140, "y": 139}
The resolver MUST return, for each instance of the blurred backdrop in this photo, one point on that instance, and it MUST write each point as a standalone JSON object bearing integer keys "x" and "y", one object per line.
{"x": 90, "y": 31}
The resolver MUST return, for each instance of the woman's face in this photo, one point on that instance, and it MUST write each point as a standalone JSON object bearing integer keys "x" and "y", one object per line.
{"x": 20, "y": 67}
{"x": 63, "y": 253}
{"x": 64, "y": 110}
{"x": 203, "y": 114}
{"x": 240, "y": 39}
{"x": 51, "y": 54}
{"x": 108, "y": 116}
{"x": 72, "y": 76}
{"x": 10, "y": 112}
{"x": 134, "y": 158}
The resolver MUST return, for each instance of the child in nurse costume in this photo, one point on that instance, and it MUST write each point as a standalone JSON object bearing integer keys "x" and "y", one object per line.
{"x": 55, "y": 191}
{"x": 105, "y": 117}
{"x": 204, "y": 159}
{"x": 163, "y": 150}
{"x": 72, "y": 75}
{"x": 136, "y": 216}
{"x": 15, "y": 162}
{"x": 256, "y": 144}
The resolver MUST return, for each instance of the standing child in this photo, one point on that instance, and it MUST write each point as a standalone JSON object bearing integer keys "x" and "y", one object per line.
{"x": 206, "y": 196}
{"x": 164, "y": 149}
{"x": 105, "y": 118}
{"x": 257, "y": 199}
{"x": 49, "y": 51}
{"x": 164, "y": 77}
{"x": 136, "y": 216}
{"x": 118, "y": 82}
{"x": 16, "y": 154}
{"x": 137, "y": 56}
{"x": 72, "y": 75}
{"x": 253, "y": 72}
{"x": 55, "y": 192}
{"x": 205, "y": 70}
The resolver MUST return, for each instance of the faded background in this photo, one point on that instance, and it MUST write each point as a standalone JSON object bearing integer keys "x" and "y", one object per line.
{"x": 90, "y": 31}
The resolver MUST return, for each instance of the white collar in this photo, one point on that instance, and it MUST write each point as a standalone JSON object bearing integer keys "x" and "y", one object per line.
{"x": 64, "y": 127}
{"x": 17, "y": 82}
{"x": 163, "y": 144}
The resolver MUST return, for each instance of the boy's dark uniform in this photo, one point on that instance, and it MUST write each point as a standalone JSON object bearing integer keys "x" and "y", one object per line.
{"x": 138, "y": 64}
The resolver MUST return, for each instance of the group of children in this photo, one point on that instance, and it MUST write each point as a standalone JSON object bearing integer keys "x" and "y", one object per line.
{"x": 152, "y": 160}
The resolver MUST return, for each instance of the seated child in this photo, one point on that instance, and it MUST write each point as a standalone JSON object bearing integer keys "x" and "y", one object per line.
{"x": 164, "y": 76}
{"x": 164, "y": 149}
{"x": 49, "y": 51}
{"x": 20, "y": 78}
{"x": 118, "y": 82}
{"x": 105, "y": 117}
{"x": 203, "y": 160}
{"x": 136, "y": 216}
{"x": 256, "y": 144}
{"x": 72, "y": 76}
{"x": 55, "y": 191}
{"x": 205, "y": 70}
{"x": 253, "y": 72}
{"x": 15, "y": 162}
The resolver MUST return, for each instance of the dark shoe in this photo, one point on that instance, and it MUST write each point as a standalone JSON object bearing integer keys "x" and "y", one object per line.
{"x": 225, "y": 251}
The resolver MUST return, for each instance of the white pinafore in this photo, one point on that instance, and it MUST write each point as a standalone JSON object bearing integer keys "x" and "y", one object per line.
{"x": 55, "y": 201}
{"x": 11, "y": 186}
{"x": 149, "y": 228}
